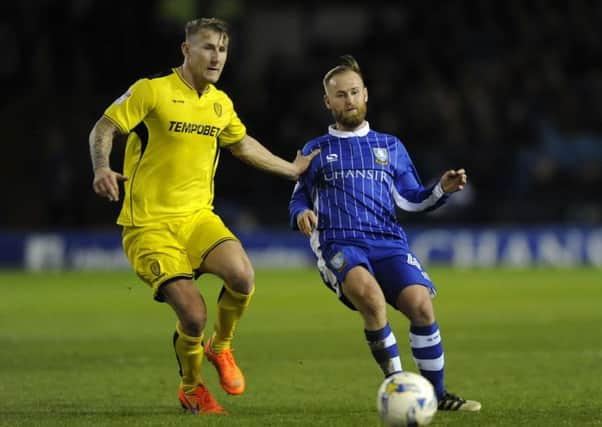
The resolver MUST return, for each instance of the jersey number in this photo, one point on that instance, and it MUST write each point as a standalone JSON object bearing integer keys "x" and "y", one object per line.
{"x": 413, "y": 261}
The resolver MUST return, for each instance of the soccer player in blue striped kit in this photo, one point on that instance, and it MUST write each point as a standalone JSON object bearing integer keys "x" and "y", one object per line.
{"x": 346, "y": 204}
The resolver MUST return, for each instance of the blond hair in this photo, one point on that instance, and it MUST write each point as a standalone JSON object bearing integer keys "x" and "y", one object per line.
{"x": 348, "y": 63}
{"x": 195, "y": 26}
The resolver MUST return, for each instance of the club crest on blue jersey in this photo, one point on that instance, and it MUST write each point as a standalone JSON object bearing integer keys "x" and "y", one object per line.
{"x": 381, "y": 155}
{"x": 338, "y": 261}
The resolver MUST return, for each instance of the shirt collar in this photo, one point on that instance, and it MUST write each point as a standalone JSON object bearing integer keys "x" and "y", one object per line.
{"x": 361, "y": 131}
{"x": 178, "y": 72}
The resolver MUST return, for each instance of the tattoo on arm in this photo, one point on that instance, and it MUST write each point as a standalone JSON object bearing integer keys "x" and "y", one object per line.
{"x": 101, "y": 142}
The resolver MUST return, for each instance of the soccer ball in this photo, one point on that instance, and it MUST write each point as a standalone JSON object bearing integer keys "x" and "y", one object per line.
{"x": 406, "y": 399}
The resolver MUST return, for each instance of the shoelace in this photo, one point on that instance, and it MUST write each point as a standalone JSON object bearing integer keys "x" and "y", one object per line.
{"x": 228, "y": 358}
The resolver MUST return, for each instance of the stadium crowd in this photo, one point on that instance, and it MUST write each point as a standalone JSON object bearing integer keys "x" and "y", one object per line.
{"x": 511, "y": 91}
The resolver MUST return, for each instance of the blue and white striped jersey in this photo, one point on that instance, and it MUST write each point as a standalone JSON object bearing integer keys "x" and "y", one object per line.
{"x": 355, "y": 183}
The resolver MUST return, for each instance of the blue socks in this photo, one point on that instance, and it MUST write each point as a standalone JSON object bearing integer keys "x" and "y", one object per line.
{"x": 428, "y": 354}
{"x": 383, "y": 346}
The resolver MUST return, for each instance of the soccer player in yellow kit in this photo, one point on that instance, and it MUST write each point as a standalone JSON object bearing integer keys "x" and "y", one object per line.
{"x": 176, "y": 125}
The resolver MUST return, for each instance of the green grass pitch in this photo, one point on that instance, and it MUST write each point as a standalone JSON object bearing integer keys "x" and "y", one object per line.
{"x": 88, "y": 349}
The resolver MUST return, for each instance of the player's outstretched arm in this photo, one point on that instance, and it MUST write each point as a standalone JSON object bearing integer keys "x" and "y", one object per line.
{"x": 105, "y": 182}
{"x": 453, "y": 180}
{"x": 250, "y": 151}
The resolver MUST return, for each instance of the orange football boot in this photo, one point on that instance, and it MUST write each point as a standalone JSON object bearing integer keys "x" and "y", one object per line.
{"x": 230, "y": 376}
{"x": 200, "y": 402}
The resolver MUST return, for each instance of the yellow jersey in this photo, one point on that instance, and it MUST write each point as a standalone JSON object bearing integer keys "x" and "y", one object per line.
{"x": 173, "y": 146}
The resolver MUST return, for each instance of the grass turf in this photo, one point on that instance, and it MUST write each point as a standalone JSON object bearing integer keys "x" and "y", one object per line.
{"x": 94, "y": 349}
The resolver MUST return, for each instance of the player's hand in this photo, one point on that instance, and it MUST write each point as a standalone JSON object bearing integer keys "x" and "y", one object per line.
{"x": 453, "y": 180}
{"x": 106, "y": 183}
{"x": 301, "y": 162}
{"x": 307, "y": 221}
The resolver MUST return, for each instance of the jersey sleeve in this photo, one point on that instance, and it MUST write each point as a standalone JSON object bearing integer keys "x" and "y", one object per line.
{"x": 409, "y": 193}
{"x": 301, "y": 198}
{"x": 300, "y": 201}
{"x": 235, "y": 130}
{"x": 132, "y": 107}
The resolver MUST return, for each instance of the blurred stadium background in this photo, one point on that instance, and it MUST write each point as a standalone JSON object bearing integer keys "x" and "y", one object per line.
{"x": 512, "y": 91}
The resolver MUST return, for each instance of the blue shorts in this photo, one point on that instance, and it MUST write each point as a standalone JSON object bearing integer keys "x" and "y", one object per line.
{"x": 391, "y": 263}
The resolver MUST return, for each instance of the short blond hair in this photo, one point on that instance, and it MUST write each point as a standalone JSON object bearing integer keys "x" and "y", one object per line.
{"x": 196, "y": 25}
{"x": 348, "y": 63}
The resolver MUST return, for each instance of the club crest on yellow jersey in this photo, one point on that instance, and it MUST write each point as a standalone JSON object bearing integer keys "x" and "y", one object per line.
{"x": 155, "y": 268}
{"x": 217, "y": 107}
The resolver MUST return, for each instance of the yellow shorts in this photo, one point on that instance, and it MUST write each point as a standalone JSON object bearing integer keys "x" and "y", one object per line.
{"x": 162, "y": 252}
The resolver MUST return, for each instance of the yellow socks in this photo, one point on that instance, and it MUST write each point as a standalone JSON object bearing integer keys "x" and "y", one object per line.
{"x": 231, "y": 305}
{"x": 189, "y": 353}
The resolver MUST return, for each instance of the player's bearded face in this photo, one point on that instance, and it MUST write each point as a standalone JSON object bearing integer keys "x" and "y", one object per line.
{"x": 351, "y": 116}
{"x": 346, "y": 98}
